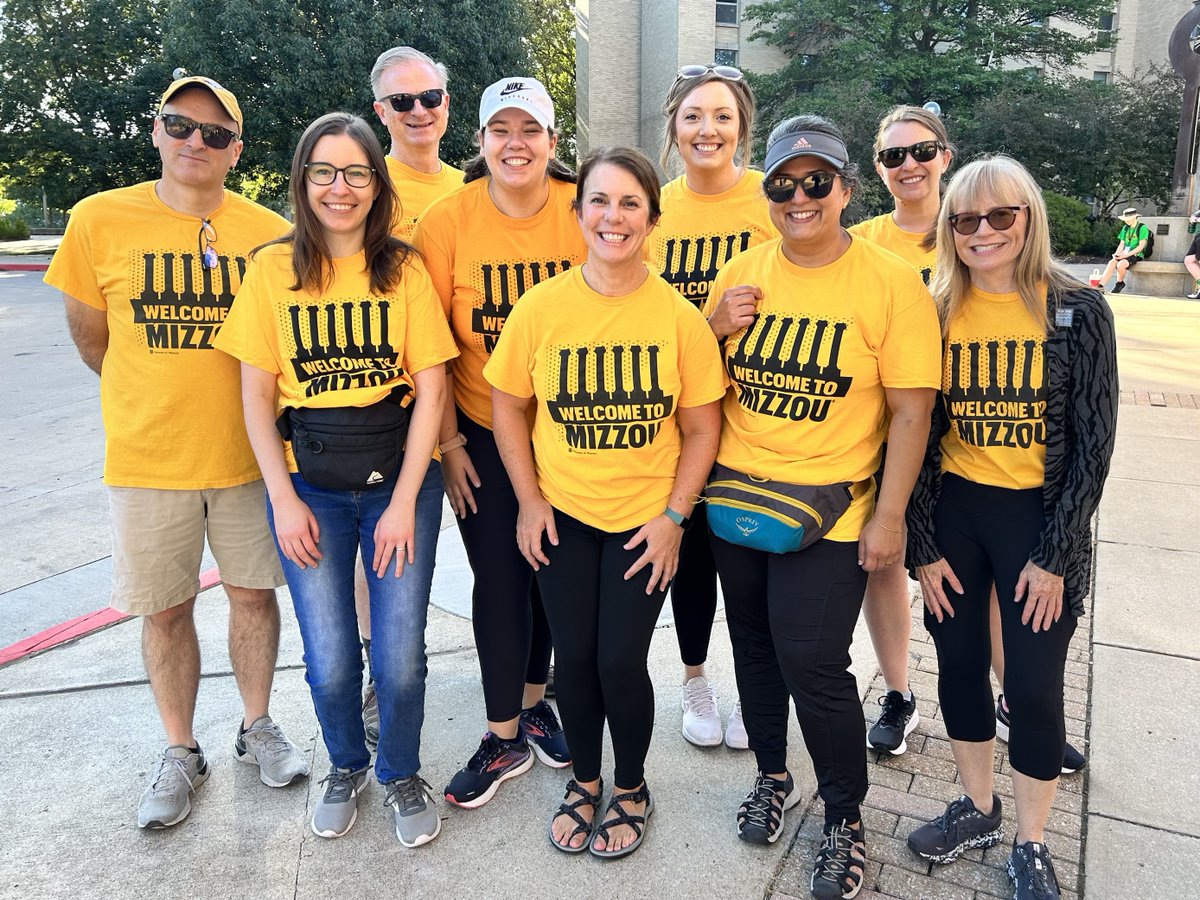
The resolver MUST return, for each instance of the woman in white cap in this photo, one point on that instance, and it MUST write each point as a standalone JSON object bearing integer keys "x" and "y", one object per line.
{"x": 1132, "y": 240}
{"x": 509, "y": 228}
{"x": 836, "y": 351}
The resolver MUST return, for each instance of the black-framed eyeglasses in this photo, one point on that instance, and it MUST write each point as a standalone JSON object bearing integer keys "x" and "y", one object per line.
{"x": 782, "y": 188}
{"x": 208, "y": 237}
{"x": 1000, "y": 219}
{"x": 729, "y": 73}
{"x": 326, "y": 173}
{"x": 921, "y": 151}
{"x": 181, "y": 128}
{"x": 430, "y": 99}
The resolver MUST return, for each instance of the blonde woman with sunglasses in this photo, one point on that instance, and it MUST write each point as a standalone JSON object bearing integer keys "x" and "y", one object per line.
{"x": 1022, "y": 437}
{"x": 710, "y": 213}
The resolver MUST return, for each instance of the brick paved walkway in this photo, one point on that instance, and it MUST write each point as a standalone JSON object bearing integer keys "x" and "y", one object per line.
{"x": 908, "y": 790}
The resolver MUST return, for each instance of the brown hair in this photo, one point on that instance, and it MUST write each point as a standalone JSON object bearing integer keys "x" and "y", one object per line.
{"x": 743, "y": 96}
{"x": 633, "y": 161}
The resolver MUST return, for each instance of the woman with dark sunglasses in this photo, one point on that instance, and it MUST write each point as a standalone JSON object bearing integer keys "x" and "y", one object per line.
{"x": 710, "y": 213}
{"x": 338, "y": 318}
{"x": 1020, "y": 446}
{"x": 912, "y": 153}
{"x": 842, "y": 337}
{"x": 509, "y": 228}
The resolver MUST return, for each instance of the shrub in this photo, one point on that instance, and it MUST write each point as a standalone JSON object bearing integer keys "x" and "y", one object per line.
{"x": 1069, "y": 228}
{"x": 13, "y": 228}
{"x": 1103, "y": 238}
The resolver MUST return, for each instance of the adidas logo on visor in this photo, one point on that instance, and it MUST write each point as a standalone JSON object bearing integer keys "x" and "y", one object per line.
{"x": 801, "y": 144}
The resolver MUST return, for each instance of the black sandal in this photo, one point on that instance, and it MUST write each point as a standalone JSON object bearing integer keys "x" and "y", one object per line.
{"x": 582, "y": 825}
{"x": 621, "y": 817}
{"x": 833, "y": 877}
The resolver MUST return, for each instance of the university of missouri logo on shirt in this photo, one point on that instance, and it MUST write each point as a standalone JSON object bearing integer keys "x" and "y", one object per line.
{"x": 691, "y": 263}
{"x": 181, "y": 303}
{"x": 500, "y": 285}
{"x": 996, "y": 392}
{"x": 788, "y": 367}
{"x": 608, "y": 397}
{"x": 339, "y": 346}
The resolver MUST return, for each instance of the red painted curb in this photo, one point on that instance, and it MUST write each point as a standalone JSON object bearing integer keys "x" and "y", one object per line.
{"x": 24, "y": 267}
{"x": 81, "y": 626}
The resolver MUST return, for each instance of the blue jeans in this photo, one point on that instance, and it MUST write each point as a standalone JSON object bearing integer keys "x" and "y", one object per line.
{"x": 324, "y": 601}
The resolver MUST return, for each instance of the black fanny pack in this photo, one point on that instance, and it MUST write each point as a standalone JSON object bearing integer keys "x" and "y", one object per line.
{"x": 348, "y": 448}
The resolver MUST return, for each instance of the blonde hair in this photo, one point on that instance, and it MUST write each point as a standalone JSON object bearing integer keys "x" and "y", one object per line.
{"x": 743, "y": 98}
{"x": 1001, "y": 180}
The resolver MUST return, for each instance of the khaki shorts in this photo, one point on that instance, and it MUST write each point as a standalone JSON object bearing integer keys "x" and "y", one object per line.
{"x": 158, "y": 543}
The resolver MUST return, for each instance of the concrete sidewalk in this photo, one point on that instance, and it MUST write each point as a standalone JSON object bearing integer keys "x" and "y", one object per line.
{"x": 81, "y": 730}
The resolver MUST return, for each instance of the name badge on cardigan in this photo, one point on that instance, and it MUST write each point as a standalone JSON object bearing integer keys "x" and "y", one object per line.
{"x": 1063, "y": 318}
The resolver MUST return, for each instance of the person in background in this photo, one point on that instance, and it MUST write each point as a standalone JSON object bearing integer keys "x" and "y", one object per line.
{"x": 338, "y": 324}
{"x": 1017, "y": 458}
{"x": 135, "y": 265}
{"x": 710, "y": 213}
{"x": 1132, "y": 238}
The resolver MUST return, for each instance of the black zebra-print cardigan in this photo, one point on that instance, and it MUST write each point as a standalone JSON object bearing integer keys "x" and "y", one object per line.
{"x": 1080, "y": 361}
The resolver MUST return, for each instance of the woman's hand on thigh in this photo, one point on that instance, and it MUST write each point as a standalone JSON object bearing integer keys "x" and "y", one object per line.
{"x": 459, "y": 476}
{"x": 933, "y": 578}
{"x": 1043, "y": 595}
{"x": 534, "y": 517}
{"x": 395, "y": 533}
{"x": 662, "y": 538}
{"x": 296, "y": 531}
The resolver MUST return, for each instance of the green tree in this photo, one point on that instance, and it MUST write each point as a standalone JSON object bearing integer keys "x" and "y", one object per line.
{"x": 78, "y": 80}
{"x": 550, "y": 38}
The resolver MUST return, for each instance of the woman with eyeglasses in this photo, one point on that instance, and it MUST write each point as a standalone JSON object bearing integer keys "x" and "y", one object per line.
{"x": 843, "y": 337}
{"x": 710, "y": 213}
{"x": 338, "y": 328}
{"x": 509, "y": 228}
{"x": 1022, "y": 437}
{"x": 626, "y": 382}
{"x": 912, "y": 153}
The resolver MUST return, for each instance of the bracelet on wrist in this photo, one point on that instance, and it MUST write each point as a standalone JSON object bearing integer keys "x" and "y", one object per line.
{"x": 459, "y": 440}
{"x": 899, "y": 530}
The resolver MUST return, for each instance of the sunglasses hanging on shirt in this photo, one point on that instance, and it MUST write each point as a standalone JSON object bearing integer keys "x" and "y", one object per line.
{"x": 208, "y": 237}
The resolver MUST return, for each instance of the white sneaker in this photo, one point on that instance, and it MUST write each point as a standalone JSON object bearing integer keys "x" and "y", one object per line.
{"x": 701, "y": 720}
{"x": 735, "y": 732}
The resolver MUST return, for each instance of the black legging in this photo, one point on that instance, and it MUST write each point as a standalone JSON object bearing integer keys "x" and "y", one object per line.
{"x": 602, "y": 627}
{"x": 986, "y": 534}
{"x": 694, "y": 591}
{"x": 791, "y": 619}
{"x": 512, "y": 636}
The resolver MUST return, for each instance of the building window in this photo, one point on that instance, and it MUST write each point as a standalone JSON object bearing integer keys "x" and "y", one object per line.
{"x": 727, "y": 12}
{"x": 725, "y": 57}
{"x": 1106, "y": 21}
{"x": 1102, "y": 77}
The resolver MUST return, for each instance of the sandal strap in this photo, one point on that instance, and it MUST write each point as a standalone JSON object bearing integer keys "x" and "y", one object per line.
{"x": 843, "y": 849}
{"x": 572, "y": 809}
{"x": 622, "y": 817}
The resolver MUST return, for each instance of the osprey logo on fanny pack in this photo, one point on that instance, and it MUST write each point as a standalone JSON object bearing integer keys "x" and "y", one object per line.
{"x": 512, "y": 87}
{"x": 747, "y": 525}
{"x": 374, "y": 478}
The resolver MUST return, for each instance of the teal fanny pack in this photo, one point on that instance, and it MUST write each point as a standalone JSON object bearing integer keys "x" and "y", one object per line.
{"x": 774, "y": 516}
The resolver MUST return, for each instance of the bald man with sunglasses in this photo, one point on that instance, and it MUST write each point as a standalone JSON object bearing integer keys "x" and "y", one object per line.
{"x": 148, "y": 274}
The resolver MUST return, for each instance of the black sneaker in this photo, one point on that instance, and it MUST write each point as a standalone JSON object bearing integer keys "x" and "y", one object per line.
{"x": 895, "y": 723}
{"x": 544, "y": 735}
{"x": 760, "y": 817}
{"x": 1073, "y": 760}
{"x": 1118, "y": 287}
{"x": 832, "y": 875}
{"x": 495, "y": 761}
{"x": 550, "y": 682}
{"x": 959, "y": 828}
{"x": 1032, "y": 872}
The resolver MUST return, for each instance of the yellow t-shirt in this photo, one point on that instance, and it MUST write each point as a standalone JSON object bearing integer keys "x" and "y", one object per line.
{"x": 808, "y": 403}
{"x": 481, "y": 262}
{"x": 994, "y": 379}
{"x": 699, "y": 233}
{"x": 608, "y": 374}
{"x": 884, "y": 231}
{"x": 171, "y": 404}
{"x": 417, "y": 190}
{"x": 344, "y": 346}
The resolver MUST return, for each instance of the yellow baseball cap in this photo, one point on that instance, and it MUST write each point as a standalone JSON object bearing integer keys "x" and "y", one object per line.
{"x": 224, "y": 95}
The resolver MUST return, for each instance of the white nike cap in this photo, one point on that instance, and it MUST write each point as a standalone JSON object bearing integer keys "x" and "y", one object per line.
{"x": 527, "y": 94}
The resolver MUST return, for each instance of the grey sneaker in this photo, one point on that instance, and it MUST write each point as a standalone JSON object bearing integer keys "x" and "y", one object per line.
{"x": 961, "y": 827}
{"x": 279, "y": 761}
{"x": 338, "y": 806}
{"x": 167, "y": 799}
{"x": 417, "y": 820}
{"x": 370, "y": 714}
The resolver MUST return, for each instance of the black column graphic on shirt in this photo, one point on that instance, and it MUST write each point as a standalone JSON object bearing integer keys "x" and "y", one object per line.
{"x": 692, "y": 262}
{"x": 609, "y": 397}
{"x": 502, "y": 284}
{"x": 997, "y": 392}
{"x": 788, "y": 368}
{"x": 340, "y": 346}
{"x": 176, "y": 316}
